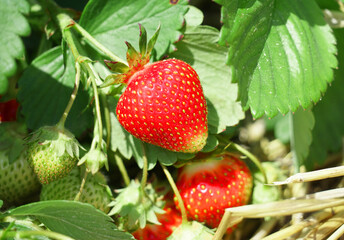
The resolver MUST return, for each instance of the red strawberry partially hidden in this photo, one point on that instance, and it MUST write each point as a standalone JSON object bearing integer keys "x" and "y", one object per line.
{"x": 8, "y": 110}
{"x": 163, "y": 103}
{"x": 170, "y": 220}
{"x": 209, "y": 187}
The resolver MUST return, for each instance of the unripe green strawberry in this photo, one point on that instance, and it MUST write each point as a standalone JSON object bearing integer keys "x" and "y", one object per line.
{"x": 95, "y": 192}
{"x": 17, "y": 180}
{"x": 52, "y": 153}
{"x": 163, "y": 103}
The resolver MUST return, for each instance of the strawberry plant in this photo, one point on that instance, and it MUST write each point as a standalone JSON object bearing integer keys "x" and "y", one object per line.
{"x": 103, "y": 100}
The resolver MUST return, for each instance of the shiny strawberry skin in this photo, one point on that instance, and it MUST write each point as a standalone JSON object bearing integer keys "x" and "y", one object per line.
{"x": 164, "y": 105}
{"x": 170, "y": 220}
{"x": 208, "y": 188}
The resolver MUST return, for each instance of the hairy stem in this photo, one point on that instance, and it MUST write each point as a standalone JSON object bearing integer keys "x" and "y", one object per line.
{"x": 64, "y": 22}
{"x": 62, "y": 121}
{"x": 253, "y": 158}
{"x": 97, "y": 44}
{"x": 93, "y": 76}
{"x": 107, "y": 118}
{"x": 82, "y": 185}
{"x": 176, "y": 192}
{"x": 122, "y": 169}
{"x": 145, "y": 168}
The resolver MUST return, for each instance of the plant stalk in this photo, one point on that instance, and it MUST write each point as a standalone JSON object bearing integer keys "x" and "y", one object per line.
{"x": 122, "y": 170}
{"x": 176, "y": 193}
{"x": 93, "y": 75}
{"x": 62, "y": 121}
{"x": 27, "y": 234}
{"x": 82, "y": 185}
{"x": 253, "y": 158}
{"x": 145, "y": 168}
{"x": 95, "y": 42}
{"x": 107, "y": 118}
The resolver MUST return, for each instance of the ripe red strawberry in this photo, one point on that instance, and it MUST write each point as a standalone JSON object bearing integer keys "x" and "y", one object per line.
{"x": 209, "y": 187}
{"x": 163, "y": 103}
{"x": 8, "y": 110}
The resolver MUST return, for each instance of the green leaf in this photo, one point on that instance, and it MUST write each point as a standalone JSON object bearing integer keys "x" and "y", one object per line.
{"x": 1, "y": 203}
{"x": 75, "y": 219}
{"x": 45, "y": 89}
{"x": 329, "y": 114}
{"x": 199, "y": 48}
{"x": 275, "y": 51}
{"x": 194, "y": 16}
{"x": 328, "y": 4}
{"x": 116, "y": 21}
{"x": 302, "y": 123}
{"x": 282, "y": 128}
{"x": 12, "y": 25}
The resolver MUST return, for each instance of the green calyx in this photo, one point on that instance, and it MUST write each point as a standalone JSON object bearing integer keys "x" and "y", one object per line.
{"x": 136, "y": 59}
{"x": 94, "y": 160}
{"x": 136, "y": 207}
{"x": 192, "y": 231}
{"x": 59, "y": 141}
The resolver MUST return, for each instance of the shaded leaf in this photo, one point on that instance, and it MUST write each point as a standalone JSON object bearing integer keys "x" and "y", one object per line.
{"x": 282, "y": 128}
{"x": 75, "y": 219}
{"x": 329, "y": 114}
{"x": 301, "y": 135}
{"x": 116, "y": 21}
{"x": 199, "y": 48}
{"x": 45, "y": 89}
{"x": 275, "y": 47}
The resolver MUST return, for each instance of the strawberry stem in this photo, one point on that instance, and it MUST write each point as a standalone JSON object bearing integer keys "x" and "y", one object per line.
{"x": 145, "y": 167}
{"x": 30, "y": 233}
{"x": 82, "y": 185}
{"x": 93, "y": 76}
{"x": 107, "y": 118}
{"x": 97, "y": 44}
{"x": 122, "y": 169}
{"x": 176, "y": 192}
{"x": 253, "y": 158}
{"x": 62, "y": 121}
